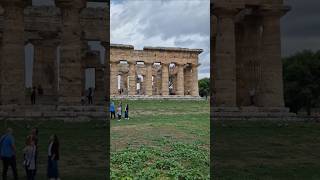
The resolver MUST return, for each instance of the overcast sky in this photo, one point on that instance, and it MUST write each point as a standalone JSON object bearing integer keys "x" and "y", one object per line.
{"x": 170, "y": 23}
{"x": 301, "y": 26}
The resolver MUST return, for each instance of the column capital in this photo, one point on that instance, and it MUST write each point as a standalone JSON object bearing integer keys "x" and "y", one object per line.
{"x": 274, "y": 13}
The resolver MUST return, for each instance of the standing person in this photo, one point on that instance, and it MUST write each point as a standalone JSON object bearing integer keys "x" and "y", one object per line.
{"x": 90, "y": 93}
{"x": 53, "y": 157}
{"x": 112, "y": 110}
{"x": 252, "y": 94}
{"x": 30, "y": 158}
{"x": 119, "y": 111}
{"x": 8, "y": 154}
{"x": 126, "y": 112}
{"x": 34, "y": 136}
{"x": 33, "y": 95}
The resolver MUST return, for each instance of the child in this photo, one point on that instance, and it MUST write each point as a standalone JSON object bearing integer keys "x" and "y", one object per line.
{"x": 119, "y": 111}
{"x": 126, "y": 112}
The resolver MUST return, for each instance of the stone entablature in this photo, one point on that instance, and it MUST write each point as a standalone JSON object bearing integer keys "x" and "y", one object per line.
{"x": 154, "y": 71}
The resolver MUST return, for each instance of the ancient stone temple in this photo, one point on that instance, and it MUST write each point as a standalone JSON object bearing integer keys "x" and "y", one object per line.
{"x": 154, "y": 71}
{"x": 246, "y": 63}
{"x": 59, "y": 35}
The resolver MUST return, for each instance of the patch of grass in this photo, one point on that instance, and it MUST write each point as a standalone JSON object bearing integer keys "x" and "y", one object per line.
{"x": 162, "y": 140}
{"x": 82, "y": 151}
{"x": 266, "y": 150}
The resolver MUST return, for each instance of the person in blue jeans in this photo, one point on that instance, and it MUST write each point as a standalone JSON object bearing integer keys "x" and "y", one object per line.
{"x": 112, "y": 110}
{"x": 8, "y": 154}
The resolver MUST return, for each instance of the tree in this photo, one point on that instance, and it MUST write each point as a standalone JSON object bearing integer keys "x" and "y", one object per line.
{"x": 302, "y": 81}
{"x": 204, "y": 87}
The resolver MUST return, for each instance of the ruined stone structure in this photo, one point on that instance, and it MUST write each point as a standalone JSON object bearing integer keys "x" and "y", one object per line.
{"x": 66, "y": 27}
{"x": 153, "y": 71}
{"x": 246, "y": 63}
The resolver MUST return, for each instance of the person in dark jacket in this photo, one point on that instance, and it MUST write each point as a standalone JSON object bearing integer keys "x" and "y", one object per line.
{"x": 53, "y": 158}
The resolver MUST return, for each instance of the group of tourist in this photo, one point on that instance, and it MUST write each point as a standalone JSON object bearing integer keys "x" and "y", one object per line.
{"x": 30, "y": 155}
{"x": 118, "y": 111}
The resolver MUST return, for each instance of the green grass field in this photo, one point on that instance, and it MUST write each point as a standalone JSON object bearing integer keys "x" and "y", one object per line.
{"x": 82, "y": 147}
{"x": 162, "y": 140}
{"x": 262, "y": 150}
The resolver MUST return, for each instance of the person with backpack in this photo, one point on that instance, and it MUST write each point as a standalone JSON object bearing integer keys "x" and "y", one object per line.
{"x": 30, "y": 158}
{"x": 8, "y": 154}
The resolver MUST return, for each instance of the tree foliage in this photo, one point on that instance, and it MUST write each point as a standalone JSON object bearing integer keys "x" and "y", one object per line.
{"x": 204, "y": 87}
{"x": 302, "y": 81}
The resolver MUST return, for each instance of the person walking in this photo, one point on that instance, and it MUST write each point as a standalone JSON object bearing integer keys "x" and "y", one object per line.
{"x": 126, "y": 112}
{"x": 112, "y": 110}
{"x": 30, "y": 158}
{"x": 8, "y": 154}
{"x": 119, "y": 112}
{"x": 53, "y": 158}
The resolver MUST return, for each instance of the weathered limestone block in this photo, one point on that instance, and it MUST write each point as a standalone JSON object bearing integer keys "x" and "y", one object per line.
{"x": 132, "y": 78}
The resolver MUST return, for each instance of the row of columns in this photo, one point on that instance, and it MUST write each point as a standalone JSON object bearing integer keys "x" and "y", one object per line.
{"x": 225, "y": 60}
{"x": 12, "y": 76}
{"x": 148, "y": 79}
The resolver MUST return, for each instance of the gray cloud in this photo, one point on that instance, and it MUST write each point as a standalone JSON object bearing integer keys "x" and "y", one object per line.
{"x": 301, "y": 26}
{"x": 173, "y": 23}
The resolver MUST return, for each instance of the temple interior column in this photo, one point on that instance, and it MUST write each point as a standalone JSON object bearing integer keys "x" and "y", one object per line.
{"x": 180, "y": 80}
{"x": 99, "y": 93}
{"x": 70, "y": 85}
{"x": 45, "y": 69}
{"x": 148, "y": 81}
{"x": 165, "y": 79}
{"x": 225, "y": 62}
{"x": 132, "y": 78}
{"x": 271, "y": 83}
{"x": 13, "y": 61}
{"x": 113, "y": 78}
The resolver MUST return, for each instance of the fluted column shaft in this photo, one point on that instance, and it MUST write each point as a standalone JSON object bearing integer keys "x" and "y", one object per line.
{"x": 70, "y": 86}
{"x": 12, "y": 60}
{"x": 113, "y": 78}
{"x": 165, "y": 79}
{"x": 148, "y": 83}
{"x": 180, "y": 80}
{"x": 132, "y": 79}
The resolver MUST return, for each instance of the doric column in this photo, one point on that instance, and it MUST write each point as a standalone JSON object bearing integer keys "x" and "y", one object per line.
{"x": 113, "y": 78}
{"x": 195, "y": 89}
{"x": 100, "y": 91}
{"x": 107, "y": 69}
{"x": 70, "y": 85}
{"x": 132, "y": 78}
{"x": 271, "y": 83}
{"x": 165, "y": 79}
{"x": 180, "y": 80}
{"x": 45, "y": 68}
{"x": 149, "y": 79}
{"x": 12, "y": 61}
{"x": 225, "y": 80}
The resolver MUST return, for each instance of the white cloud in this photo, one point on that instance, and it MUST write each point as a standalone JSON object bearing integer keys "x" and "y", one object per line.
{"x": 172, "y": 23}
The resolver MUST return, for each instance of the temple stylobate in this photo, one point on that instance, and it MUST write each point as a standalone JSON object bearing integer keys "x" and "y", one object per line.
{"x": 153, "y": 71}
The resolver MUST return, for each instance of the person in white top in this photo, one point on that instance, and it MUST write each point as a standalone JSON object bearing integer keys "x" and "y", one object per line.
{"x": 30, "y": 158}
